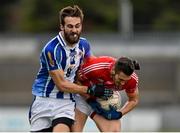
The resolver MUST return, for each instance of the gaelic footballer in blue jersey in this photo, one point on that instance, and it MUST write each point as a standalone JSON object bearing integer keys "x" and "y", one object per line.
{"x": 53, "y": 88}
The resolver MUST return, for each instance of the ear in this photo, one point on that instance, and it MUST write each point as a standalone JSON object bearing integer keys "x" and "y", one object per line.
{"x": 61, "y": 27}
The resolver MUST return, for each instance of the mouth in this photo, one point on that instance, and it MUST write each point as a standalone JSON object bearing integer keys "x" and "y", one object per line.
{"x": 73, "y": 38}
{"x": 75, "y": 35}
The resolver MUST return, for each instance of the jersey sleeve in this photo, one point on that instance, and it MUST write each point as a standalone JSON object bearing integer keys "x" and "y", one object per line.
{"x": 88, "y": 52}
{"x": 49, "y": 58}
{"x": 132, "y": 88}
{"x": 87, "y": 48}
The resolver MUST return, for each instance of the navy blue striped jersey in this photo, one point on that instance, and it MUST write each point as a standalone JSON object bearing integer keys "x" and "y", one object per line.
{"x": 58, "y": 55}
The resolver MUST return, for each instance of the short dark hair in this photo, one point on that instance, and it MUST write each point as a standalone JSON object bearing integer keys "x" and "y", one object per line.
{"x": 126, "y": 65}
{"x": 70, "y": 11}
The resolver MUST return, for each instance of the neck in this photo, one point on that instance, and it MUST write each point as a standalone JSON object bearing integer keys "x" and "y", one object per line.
{"x": 70, "y": 45}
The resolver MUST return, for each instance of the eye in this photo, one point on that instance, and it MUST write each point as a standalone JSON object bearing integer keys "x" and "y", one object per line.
{"x": 121, "y": 79}
{"x": 77, "y": 25}
{"x": 70, "y": 26}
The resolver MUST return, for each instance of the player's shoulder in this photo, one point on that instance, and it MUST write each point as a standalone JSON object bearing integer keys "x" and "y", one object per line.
{"x": 134, "y": 77}
{"x": 132, "y": 84}
{"x": 84, "y": 43}
{"x": 50, "y": 45}
{"x": 83, "y": 40}
{"x": 133, "y": 81}
{"x": 105, "y": 60}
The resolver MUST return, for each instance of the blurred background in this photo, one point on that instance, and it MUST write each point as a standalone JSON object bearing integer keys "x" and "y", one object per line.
{"x": 145, "y": 30}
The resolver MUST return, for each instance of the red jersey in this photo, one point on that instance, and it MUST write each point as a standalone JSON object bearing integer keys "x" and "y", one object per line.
{"x": 98, "y": 70}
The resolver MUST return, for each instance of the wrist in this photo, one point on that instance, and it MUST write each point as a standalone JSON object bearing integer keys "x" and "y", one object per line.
{"x": 90, "y": 90}
{"x": 85, "y": 89}
{"x": 120, "y": 114}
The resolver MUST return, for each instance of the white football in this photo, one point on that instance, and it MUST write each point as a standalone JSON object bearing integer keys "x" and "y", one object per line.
{"x": 114, "y": 100}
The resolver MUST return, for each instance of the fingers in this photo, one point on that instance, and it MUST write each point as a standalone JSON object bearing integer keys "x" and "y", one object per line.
{"x": 112, "y": 107}
{"x": 108, "y": 92}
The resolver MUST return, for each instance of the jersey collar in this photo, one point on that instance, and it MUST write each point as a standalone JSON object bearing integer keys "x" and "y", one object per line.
{"x": 63, "y": 42}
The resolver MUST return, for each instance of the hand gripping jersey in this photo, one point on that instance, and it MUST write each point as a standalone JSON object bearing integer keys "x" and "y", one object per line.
{"x": 57, "y": 55}
{"x": 98, "y": 70}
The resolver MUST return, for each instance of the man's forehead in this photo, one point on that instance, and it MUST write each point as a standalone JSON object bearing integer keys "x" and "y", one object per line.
{"x": 72, "y": 20}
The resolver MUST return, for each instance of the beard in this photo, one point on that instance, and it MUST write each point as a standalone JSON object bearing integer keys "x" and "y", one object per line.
{"x": 72, "y": 38}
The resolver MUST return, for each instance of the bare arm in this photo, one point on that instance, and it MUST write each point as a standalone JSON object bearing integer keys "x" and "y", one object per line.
{"x": 64, "y": 85}
{"x": 133, "y": 99}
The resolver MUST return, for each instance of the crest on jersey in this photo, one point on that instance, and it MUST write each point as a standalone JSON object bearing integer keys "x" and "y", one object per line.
{"x": 73, "y": 53}
{"x": 51, "y": 61}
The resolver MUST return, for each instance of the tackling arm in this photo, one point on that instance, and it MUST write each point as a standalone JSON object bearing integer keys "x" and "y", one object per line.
{"x": 64, "y": 85}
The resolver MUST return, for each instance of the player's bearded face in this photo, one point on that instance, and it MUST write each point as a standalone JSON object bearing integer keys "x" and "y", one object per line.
{"x": 72, "y": 29}
{"x": 71, "y": 37}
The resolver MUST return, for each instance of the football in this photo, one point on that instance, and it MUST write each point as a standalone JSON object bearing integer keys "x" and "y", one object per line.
{"x": 114, "y": 100}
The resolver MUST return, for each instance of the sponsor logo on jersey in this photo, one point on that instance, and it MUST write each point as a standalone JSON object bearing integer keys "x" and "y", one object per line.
{"x": 51, "y": 61}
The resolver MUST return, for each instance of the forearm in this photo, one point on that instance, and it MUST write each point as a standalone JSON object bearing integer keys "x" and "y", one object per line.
{"x": 133, "y": 99}
{"x": 128, "y": 106}
{"x": 67, "y": 86}
{"x": 64, "y": 85}
{"x": 84, "y": 95}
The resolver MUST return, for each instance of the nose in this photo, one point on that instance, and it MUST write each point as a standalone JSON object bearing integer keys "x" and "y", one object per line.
{"x": 74, "y": 29}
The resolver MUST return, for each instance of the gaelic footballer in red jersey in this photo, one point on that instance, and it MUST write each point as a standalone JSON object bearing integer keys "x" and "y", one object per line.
{"x": 117, "y": 74}
{"x": 104, "y": 70}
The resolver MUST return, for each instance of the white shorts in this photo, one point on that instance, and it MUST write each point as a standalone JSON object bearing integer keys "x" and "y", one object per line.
{"x": 82, "y": 105}
{"x": 44, "y": 110}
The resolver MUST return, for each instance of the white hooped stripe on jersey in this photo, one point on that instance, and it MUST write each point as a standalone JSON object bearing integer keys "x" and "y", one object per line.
{"x": 96, "y": 67}
{"x": 134, "y": 76}
{"x": 104, "y": 63}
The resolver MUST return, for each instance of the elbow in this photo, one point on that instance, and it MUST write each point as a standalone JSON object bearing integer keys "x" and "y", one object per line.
{"x": 136, "y": 102}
